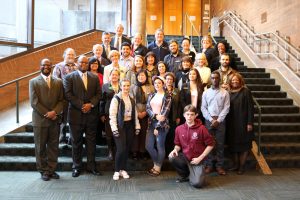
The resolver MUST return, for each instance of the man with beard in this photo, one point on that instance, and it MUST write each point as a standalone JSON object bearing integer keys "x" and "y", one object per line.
{"x": 126, "y": 60}
{"x": 174, "y": 59}
{"x": 225, "y": 71}
{"x": 82, "y": 91}
{"x": 60, "y": 71}
{"x": 221, "y": 47}
{"x": 46, "y": 98}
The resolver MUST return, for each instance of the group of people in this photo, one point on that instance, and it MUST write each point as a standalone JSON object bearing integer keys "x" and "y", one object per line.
{"x": 154, "y": 100}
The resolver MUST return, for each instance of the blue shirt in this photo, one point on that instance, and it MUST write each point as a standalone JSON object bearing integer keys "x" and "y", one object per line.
{"x": 215, "y": 102}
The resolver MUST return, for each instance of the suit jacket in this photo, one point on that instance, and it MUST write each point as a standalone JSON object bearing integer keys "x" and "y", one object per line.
{"x": 104, "y": 52}
{"x": 185, "y": 97}
{"x": 140, "y": 50}
{"x": 44, "y": 99}
{"x": 77, "y": 95}
{"x": 123, "y": 39}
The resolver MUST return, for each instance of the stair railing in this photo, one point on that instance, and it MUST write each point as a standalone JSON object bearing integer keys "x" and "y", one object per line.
{"x": 192, "y": 29}
{"x": 259, "y": 125}
{"x": 264, "y": 44}
{"x": 17, "y": 81}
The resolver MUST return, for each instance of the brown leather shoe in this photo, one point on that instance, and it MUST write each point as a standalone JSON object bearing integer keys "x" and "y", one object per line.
{"x": 221, "y": 171}
{"x": 208, "y": 170}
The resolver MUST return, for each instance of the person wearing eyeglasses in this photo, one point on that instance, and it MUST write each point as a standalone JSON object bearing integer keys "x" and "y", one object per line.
{"x": 83, "y": 92}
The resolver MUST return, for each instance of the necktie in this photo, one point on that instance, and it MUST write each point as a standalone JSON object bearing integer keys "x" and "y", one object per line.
{"x": 118, "y": 43}
{"x": 84, "y": 79}
{"x": 48, "y": 81}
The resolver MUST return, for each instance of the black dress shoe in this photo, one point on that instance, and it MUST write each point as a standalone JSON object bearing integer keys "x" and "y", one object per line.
{"x": 54, "y": 175}
{"x": 182, "y": 179}
{"x": 95, "y": 172}
{"x": 45, "y": 176}
{"x": 75, "y": 173}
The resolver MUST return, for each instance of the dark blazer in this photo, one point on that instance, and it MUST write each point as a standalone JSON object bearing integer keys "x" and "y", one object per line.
{"x": 176, "y": 109}
{"x": 107, "y": 95}
{"x": 76, "y": 95}
{"x": 185, "y": 97}
{"x": 210, "y": 54}
{"x": 104, "y": 52}
{"x": 124, "y": 39}
{"x": 43, "y": 99}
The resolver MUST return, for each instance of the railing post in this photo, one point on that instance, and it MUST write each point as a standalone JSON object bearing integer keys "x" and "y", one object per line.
{"x": 286, "y": 56}
{"x": 17, "y": 101}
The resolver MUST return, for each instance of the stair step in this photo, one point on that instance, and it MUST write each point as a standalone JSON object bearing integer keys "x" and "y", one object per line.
{"x": 277, "y": 109}
{"x": 280, "y": 137}
{"x": 283, "y": 160}
{"x": 270, "y": 94}
{"x": 23, "y": 137}
{"x": 255, "y": 75}
{"x": 279, "y": 118}
{"x": 26, "y": 149}
{"x": 260, "y": 87}
{"x": 278, "y": 127}
{"x": 274, "y": 101}
{"x": 280, "y": 148}
{"x": 266, "y": 81}
{"x": 247, "y": 69}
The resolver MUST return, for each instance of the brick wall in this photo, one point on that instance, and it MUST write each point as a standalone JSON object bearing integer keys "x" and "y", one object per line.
{"x": 282, "y": 15}
{"x": 26, "y": 64}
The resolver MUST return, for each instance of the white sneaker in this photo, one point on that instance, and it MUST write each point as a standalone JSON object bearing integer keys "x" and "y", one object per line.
{"x": 124, "y": 174}
{"x": 116, "y": 176}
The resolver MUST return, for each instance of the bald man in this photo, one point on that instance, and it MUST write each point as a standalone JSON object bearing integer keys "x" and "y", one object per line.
{"x": 46, "y": 99}
{"x": 82, "y": 91}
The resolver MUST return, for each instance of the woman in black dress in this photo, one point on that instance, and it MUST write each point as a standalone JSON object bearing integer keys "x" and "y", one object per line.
{"x": 240, "y": 122}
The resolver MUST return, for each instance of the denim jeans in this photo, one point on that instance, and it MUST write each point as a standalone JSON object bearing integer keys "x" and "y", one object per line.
{"x": 157, "y": 154}
{"x": 218, "y": 151}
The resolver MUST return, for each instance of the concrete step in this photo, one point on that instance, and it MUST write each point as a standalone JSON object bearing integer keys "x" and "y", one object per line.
{"x": 278, "y": 127}
{"x": 274, "y": 101}
{"x": 280, "y": 137}
{"x": 269, "y": 94}
{"x": 277, "y": 109}
{"x": 279, "y": 118}
{"x": 266, "y": 81}
{"x": 283, "y": 160}
{"x": 280, "y": 148}
{"x": 255, "y": 75}
{"x": 260, "y": 87}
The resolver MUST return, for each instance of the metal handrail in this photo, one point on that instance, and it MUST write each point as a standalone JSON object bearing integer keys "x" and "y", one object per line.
{"x": 259, "y": 124}
{"x": 193, "y": 28}
{"x": 17, "y": 86}
{"x": 265, "y": 40}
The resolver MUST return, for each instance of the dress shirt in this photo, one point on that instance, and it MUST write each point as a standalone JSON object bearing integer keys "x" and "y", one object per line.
{"x": 215, "y": 102}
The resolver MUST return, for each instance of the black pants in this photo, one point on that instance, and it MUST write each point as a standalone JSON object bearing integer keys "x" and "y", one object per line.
{"x": 139, "y": 140}
{"x": 77, "y": 131}
{"x": 123, "y": 145}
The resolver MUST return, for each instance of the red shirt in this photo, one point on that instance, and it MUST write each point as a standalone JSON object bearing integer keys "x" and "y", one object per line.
{"x": 193, "y": 140}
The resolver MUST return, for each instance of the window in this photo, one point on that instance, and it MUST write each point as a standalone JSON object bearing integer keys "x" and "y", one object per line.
{"x": 57, "y": 19}
{"x": 108, "y": 14}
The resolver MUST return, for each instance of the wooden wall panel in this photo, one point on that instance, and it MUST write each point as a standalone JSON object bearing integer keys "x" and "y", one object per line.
{"x": 173, "y": 17}
{"x": 193, "y": 9}
{"x": 154, "y": 15}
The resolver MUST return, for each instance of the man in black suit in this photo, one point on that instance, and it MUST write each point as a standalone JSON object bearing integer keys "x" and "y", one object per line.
{"x": 119, "y": 38}
{"x": 106, "y": 39}
{"x": 82, "y": 91}
{"x": 46, "y": 99}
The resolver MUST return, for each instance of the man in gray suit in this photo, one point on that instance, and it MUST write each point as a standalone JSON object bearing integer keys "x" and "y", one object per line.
{"x": 46, "y": 98}
{"x": 82, "y": 91}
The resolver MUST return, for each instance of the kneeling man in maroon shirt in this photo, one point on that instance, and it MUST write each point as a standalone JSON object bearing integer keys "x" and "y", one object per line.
{"x": 192, "y": 144}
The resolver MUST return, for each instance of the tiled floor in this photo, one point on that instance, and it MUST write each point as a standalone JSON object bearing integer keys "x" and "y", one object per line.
{"x": 283, "y": 184}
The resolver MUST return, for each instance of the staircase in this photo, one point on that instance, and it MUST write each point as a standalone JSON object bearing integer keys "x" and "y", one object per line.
{"x": 280, "y": 130}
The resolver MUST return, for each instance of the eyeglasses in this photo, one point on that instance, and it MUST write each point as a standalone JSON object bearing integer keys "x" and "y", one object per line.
{"x": 84, "y": 62}
{"x": 44, "y": 65}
